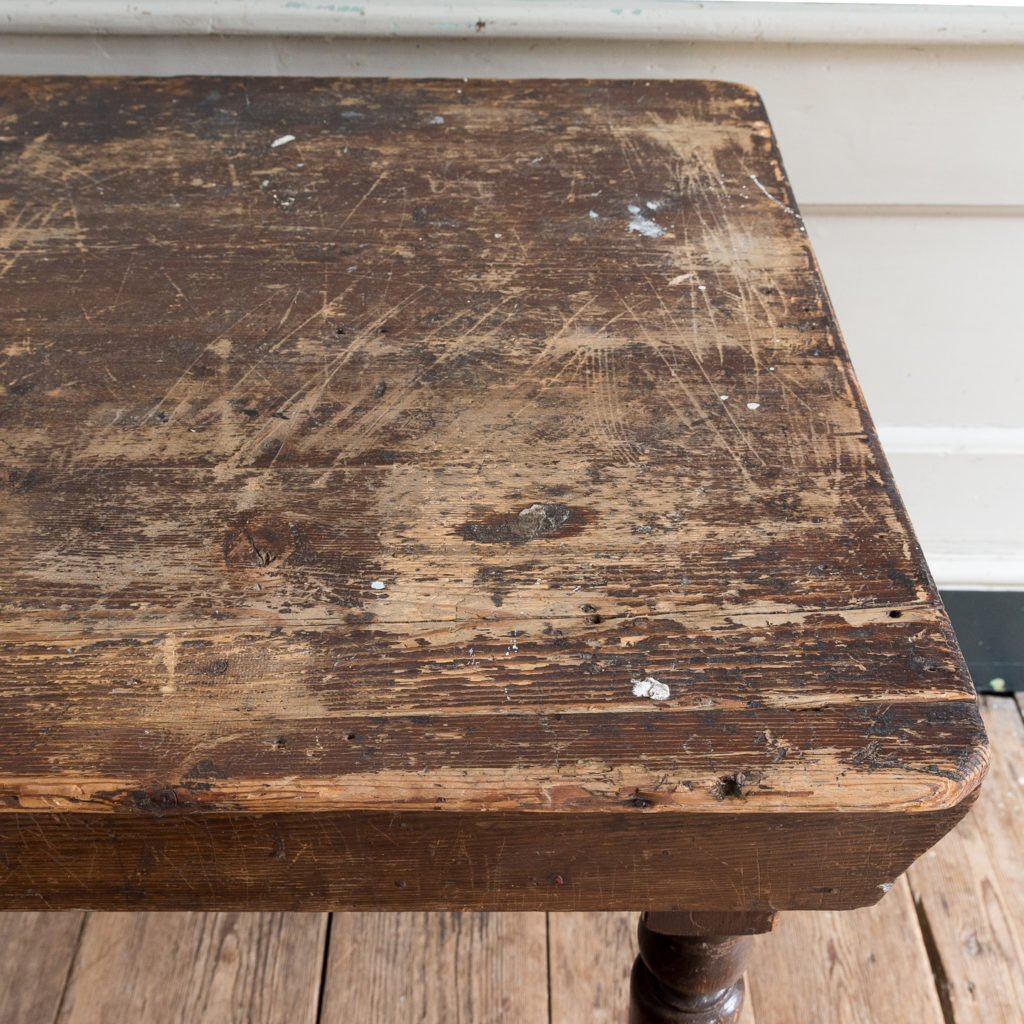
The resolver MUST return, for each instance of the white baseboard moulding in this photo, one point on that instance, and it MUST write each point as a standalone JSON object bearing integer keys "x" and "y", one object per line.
{"x": 683, "y": 20}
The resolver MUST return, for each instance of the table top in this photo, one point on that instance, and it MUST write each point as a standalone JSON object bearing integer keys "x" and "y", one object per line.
{"x": 449, "y": 447}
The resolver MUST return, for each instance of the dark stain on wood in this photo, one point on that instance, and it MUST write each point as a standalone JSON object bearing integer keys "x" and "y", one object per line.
{"x": 541, "y": 519}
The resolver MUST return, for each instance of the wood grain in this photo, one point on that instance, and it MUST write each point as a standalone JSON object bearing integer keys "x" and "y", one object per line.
{"x": 970, "y": 888}
{"x": 36, "y": 954}
{"x": 472, "y": 861}
{"x": 859, "y": 967}
{"x": 181, "y": 968}
{"x": 590, "y": 958}
{"x": 409, "y": 968}
{"x": 434, "y": 448}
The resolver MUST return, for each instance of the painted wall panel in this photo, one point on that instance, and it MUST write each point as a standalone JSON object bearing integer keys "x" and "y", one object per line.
{"x": 930, "y": 309}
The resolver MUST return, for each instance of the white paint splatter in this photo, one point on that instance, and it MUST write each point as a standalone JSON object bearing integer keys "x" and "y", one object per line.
{"x": 645, "y": 226}
{"x": 650, "y": 687}
{"x": 652, "y": 204}
{"x": 284, "y": 140}
{"x": 377, "y": 585}
{"x": 593, "y": 215}
{"x": 724, "y": 398}
{"x": 437, "y": 119}
{"x": 886, "y": 886}
{"x": 702, "y": 287}
{"x": 753, "y": 405}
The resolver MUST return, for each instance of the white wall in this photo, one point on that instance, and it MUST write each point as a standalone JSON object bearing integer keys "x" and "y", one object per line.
{"x": 905, "y": 148}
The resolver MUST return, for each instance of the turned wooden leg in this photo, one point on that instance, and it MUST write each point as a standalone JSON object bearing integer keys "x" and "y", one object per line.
{"x": 688, "y": 971}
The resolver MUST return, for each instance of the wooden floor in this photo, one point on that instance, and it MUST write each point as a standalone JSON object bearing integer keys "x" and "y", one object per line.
{"x": 946, "y": 945}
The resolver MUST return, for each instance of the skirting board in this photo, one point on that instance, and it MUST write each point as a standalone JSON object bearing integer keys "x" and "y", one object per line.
{"x": 990, "y": 628}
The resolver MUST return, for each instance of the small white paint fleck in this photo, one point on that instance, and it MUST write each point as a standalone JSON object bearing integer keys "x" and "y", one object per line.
{"x": 652, "y": 204}
{"x": 377, "y": 585}
{"x": 724, "y": 398}
{"x": 497, "y": 234}
{"x": 886, "y": 886}
{"x": 772, "y": 368}
{"x": 782, "y": 206}
{"x": 753, "y": 405}
{"x": 633, "y": 208}
{"x": 283, "y": 140}
{"x": 437, "y": 119}
{"x": 650, "y": 687}
{"x": 645, "y": 227}
{"x": 593, "y": 215}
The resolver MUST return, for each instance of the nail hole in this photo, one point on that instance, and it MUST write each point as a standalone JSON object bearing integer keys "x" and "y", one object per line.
{"x": 895, "y": 614}
{"x": 594, "y": 619}
{"x": 351, "y": 736}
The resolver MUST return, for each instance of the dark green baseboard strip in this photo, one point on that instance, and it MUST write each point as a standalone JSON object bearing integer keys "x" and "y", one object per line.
{"x": 990, "y": 626}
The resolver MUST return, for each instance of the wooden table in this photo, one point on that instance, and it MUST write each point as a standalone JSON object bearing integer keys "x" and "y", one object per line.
{"x": 449, "y": 495}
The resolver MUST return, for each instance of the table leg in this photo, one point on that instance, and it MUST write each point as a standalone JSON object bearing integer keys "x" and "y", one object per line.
{"x": 690, "y": 967}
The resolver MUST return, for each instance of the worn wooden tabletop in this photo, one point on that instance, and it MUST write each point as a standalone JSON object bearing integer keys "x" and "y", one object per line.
{"x": 444, "y": 494}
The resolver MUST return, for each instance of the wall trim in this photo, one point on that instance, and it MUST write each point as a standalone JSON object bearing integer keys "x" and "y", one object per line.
{"x": 953, "y": 440}
{"x": 663, "y": 20}
{"x": 997, "y": 571}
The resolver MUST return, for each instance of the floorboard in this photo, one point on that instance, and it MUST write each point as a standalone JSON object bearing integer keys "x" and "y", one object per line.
{"x": 405, "y": 968}
{"x": 855, "y": 967}
{"x": 180, "y": 968}
{"x": 970, "y": 888}
{"x": 36, "y": 954}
